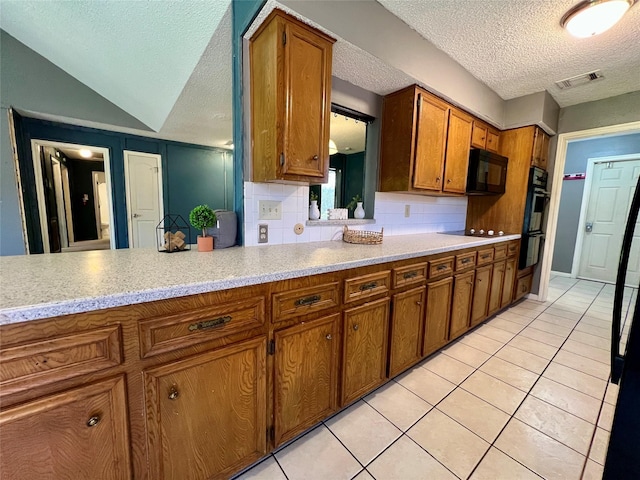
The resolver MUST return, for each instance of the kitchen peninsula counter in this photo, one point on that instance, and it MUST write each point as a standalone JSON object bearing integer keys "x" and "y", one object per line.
{"x": 44, "y": 286}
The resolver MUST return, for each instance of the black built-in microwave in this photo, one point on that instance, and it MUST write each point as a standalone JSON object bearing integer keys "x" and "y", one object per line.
{"x": 487, "y": 173}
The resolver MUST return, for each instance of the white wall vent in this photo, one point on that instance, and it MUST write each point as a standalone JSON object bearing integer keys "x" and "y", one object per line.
{"x": 578, "y": 80}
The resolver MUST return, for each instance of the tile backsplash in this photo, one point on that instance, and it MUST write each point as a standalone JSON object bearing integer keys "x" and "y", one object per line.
{"x": 427, "y": 214}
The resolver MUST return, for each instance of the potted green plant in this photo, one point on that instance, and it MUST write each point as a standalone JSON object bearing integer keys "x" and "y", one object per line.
{"x": 203, "y": 217}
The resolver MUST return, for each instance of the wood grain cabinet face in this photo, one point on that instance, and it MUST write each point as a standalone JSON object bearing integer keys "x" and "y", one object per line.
{"x": 365, "y": 286}
{"x": 364, "y": 354}
{"x": 497, "y": 279}
{"x": 540, "y": 154}
{"x": 479, "y": 135}
{"x": 510, "y": 272}
{"x": 303, "y": 301}
{"x": 80, "y": 433}
{"x": 206, "y": 414}
{"x": 461, "y": 305}
{"x": 481, "y": 290}
{"x": 438, "y": 314}
{"x": 406, "y": 329}
{"x": 457, "y": 153}
{"x": 431, "y": 139}
{"x": 306, "y": 375}
{"x": 523, "y": 286}
{"x": 493, "y": 140}
{"x": 290, "y": 92}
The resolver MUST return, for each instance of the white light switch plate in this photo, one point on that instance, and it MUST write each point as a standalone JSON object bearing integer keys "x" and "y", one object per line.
{"x": 269, "y": 210}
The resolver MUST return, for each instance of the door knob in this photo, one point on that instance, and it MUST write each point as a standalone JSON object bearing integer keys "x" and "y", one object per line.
{"x": 589, "y": 227}
{"x": 136, "y": 215}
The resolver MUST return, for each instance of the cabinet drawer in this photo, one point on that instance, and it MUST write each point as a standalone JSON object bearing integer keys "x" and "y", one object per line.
{"x": 512, "y": 248}
{"x": 185, "y": 329}
{"x": 303, "y": 301}
{"x": 485, "y": 256}
{"x": 465, "y": 260}
{"x": 366, "y": 286}
{"x": 409, "y": 275}
{"x": 47, "y": 361}
{"x": 523, "y": 286}
{"x": 441, "y": 267}
{"x": 500, "y": 251}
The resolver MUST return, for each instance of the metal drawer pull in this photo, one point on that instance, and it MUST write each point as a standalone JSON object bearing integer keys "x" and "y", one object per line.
{"x": 487, "y": 255}
{"x": 442, "y": 267}
{"x": 368, "y": 286}
{"x": 466, "y": 260}
{"x": 410, "y": 274}
{"x": 216, "y": 322}
{"x": 173, "y": 393}
{"x": 306, "y": 301}
{"x": 356, "y": 327}
{"x": 315, "y": 157}
{"x": 93, "y": 421}
{"x": 329, "y": 337}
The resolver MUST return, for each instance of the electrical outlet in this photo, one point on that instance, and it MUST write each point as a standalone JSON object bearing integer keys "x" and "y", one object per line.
{"x": 263, "y": 233}
{"x": 407, "y": 211}
{"x": 269, "y": 210}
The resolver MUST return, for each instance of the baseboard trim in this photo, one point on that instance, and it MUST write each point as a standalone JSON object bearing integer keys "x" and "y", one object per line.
{"x": 561, "y": 274}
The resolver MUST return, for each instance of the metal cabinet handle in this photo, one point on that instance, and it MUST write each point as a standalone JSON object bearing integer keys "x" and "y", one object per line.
{"x": 368, "y": 286}
{"x": 315, "y": 157}
{"x": 207, "y": 324}
{"x": 441, "y": 267}
{"x": 437, "y": 179}
{"x": 306, "y": 301}
{"x": 485, "y": 256}
{"x": 448, "y": 180}
{"x": 173, "y": 393}
{"x": 329, "y": 337}
{"x": 93, "y": 421}
{"x": 356, "y": 327}
{"x": 466, "y": 260}
{"x": 410, "y": 275}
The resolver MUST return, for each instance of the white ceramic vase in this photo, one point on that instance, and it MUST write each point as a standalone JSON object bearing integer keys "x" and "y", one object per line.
{"x": 314, "y": 211}
{"x": 359, "y": 211}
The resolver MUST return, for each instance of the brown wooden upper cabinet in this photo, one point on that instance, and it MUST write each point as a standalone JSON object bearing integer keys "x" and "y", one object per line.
{"x": 290, "y": 100}
{"x": 540, "y": 155}
{"x": 485, "y": 137}
{"x": 425, "y": 144}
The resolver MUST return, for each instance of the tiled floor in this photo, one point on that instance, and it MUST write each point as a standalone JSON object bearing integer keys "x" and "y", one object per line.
{"x": 523, "y": 396}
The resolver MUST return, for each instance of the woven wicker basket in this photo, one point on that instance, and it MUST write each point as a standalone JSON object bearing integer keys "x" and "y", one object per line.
{"x": 362, "y": 237}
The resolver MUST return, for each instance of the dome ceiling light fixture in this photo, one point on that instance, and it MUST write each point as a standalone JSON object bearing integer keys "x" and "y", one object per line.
{"x": 85, "y": 153}
{"x": 333, "y": 149}
{"x": 592, "y": 17}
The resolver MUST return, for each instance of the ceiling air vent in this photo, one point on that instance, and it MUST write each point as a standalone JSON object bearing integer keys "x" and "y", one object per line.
{"x": 579, "y": 80}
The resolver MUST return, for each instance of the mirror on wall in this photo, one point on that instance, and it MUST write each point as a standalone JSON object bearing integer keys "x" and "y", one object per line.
{"x": 347, "y": 160}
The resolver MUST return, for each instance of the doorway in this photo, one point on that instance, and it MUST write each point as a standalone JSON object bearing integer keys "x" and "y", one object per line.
{"x": 66, "y": 197}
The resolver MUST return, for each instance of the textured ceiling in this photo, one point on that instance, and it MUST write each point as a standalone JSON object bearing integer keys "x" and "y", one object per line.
{"x": 517, "y": 47}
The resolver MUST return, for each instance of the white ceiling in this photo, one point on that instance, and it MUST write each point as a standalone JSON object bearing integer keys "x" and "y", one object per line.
{"x": 350, "y": 135}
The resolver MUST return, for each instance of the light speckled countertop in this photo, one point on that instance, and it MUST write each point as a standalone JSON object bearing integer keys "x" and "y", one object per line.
{"x": 42, "y": 286}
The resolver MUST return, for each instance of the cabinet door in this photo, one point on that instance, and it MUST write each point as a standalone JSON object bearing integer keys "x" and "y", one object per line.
{"x": 544, "y": 152}
{"x": 457, "y": 156}
{"x": 507, "y": 285}
{"x": 479, "y": 135}
{"x": 306, "y": 375}
{"x": 364, "y": 358}
{"x": 481, "y": 290}
{"x": 493, "y": 140}
{"x": 80, "y": 433}
{"x": 307, "y": 76}
{"x": 431, "y": 138}
{"x": 436, "y": 326}
{"x": 406, "y": 329}
{"x": 497, "y": 279}
{"x": 206, "y": 415}
{"x": 461, "y": 306}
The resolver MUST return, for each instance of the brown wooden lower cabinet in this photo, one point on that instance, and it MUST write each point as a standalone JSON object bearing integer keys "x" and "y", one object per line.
{"x": 509, "y": 278}
{"x": 461, "y": 305}
{"x": 207, "y": 414}
{"x": 497, "y": 279}
{"x": 306, "y": 375}
{"x": 481, "y": 290}
{"x": 406, "y": 329}
{"x": 364, "y": 355}
{"x": 523, "y": 286}
{"x": 436, "y": 327}
{"x": 80, "y": 433}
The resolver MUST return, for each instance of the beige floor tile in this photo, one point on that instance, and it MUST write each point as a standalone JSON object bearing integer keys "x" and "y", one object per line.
{"x": 560, "y": 312}
{"x": 496, "y": 465}
{"x": 611, "y": 397}
{"x": 498, "y": 334}
{"x": 598, "y": 452}
{"x": 592, "y": 340}
{"x": 265, "y": 470}
{"x": 317, "y": 455}
{"x": 363, "y": 431}
{"x": 594, "y": 330}
{"x": 527, "y": 313}
{"x": 582, "y": 382}
{"x": 596, "y": 321}
{"x": 592, "y": 471}
{"x": 521, "y": 317}
{"x": 523, "y": 359}
{"x": 568, "y": 429}
{"x": 606, "y": 416}
{"x": 402, "y": 407}
{"x": 533, "y": 346}
{"x": 474, "y": 413}
{"x": 544, "y": 337}
{"x": 568, "y": 399}
{"x": 506, "y": 325}
{"x": 588, "y": 351}
{"x": 466, "y": 354}
{"x": 427, "y": 385}
{"x": 448, "y": 367}
{"x": 560, "y": 330}
{"x": 557, "y": 320}
{"x": 509, "y": 373}
{"x": 494, "y": 391}
{"x": 450, "y": 443}
{"x": 484, "y": 344}
{"x": 363, "y": 475}
{"x": 582, "y": 364}
{"x": 542, "y": 454}
{"x": 407, "y": 461}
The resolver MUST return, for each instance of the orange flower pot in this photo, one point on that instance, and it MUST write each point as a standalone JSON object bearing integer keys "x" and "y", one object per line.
{"x": 205, "y": 244}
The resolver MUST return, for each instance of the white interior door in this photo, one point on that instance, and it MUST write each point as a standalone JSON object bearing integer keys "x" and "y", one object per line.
{"x": 100, "y": 204}
{"x": 60, "y": 206}
{"x": 610, "y": 196}
{"x": 143, "y": 181}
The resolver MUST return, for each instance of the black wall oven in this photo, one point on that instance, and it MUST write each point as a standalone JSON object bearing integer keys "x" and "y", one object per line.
{"x": 532, "y": 235}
